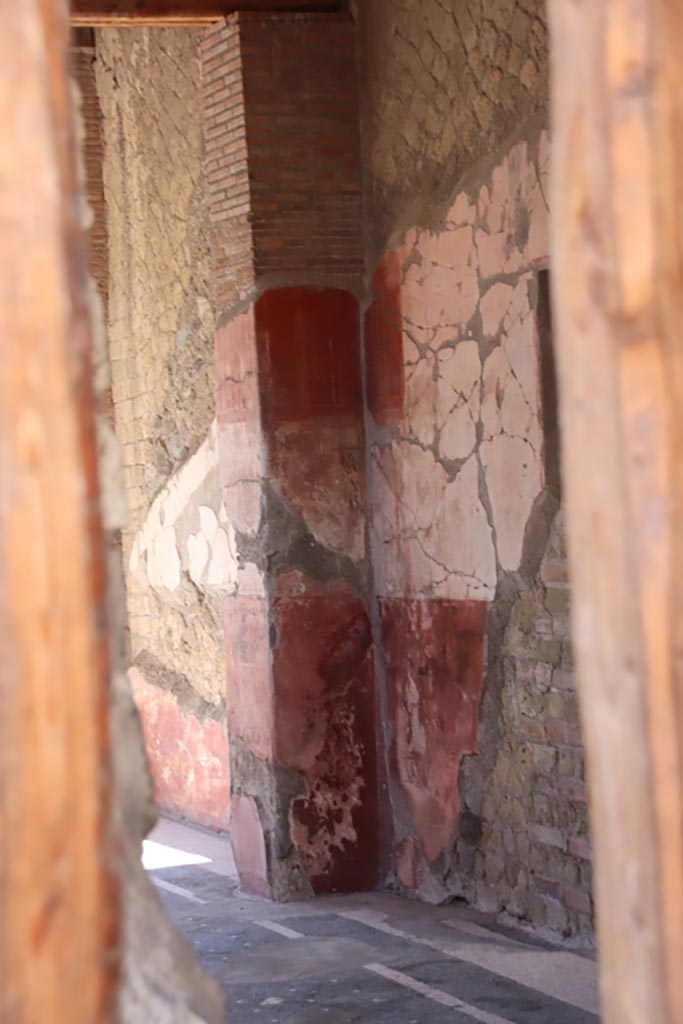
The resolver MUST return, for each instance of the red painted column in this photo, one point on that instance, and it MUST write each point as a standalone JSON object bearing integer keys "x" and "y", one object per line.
{"x": 283, "y": 167}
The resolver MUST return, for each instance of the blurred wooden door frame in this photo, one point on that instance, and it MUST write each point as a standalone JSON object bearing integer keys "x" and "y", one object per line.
{"x": 59, "y": 901}
{"x": 617, "y": 257}
{"x": 617, "y": 94}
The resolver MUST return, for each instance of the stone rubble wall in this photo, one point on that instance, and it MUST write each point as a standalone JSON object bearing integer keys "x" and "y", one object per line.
{"x": 534, "y": 856}
{"x": 178, "y": 545}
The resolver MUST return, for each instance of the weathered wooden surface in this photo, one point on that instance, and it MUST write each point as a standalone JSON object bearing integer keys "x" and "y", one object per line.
{"x": 58, "y": 893}
{"x": 617, "y": 207}
{"x": 180, "y": 12}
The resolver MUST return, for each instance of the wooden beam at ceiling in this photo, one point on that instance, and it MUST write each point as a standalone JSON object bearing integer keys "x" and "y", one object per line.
{"x": 102, "y": 13}
{"x": 617, "y": 257}
{"x": 59, "y": 905}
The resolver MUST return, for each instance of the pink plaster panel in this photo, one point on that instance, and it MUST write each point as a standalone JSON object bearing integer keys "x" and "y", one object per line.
{"x": 430, "y": 534}
{"x": 240, "y": 470}
{"x": 454, "y": 471}
{"x": 249, "y": 847}
{"x": 247, "y": 668}
{"x": 188, "y": 758}
{"x": 512, "y": 445}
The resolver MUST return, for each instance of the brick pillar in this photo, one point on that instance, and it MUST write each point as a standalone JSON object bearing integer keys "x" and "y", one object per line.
{"x": 283, "y": 168}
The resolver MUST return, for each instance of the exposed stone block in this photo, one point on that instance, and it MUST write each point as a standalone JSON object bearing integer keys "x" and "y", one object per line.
{"x": 577, "y": 899}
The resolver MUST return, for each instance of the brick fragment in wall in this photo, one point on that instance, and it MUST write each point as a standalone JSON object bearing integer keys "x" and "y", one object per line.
{"x": 282, "y": 153}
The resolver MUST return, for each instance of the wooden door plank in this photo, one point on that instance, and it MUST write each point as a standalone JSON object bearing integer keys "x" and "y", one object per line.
{"x": 58, "y": 889}
{"x": 617, "y": 204}
{"x": 99, "y": 13}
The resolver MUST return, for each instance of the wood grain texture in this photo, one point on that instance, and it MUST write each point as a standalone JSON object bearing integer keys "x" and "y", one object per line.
{"x": 617, "y": 206}
{"x": 58, "y": 893}
{"x": 180, "y": 12}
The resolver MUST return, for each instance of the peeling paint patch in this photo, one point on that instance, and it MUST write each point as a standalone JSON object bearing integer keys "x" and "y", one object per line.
{"x": 238, "y": 414}
{"x": 324, "y": 713}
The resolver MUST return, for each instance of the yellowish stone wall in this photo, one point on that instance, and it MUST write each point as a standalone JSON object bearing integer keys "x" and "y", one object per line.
{"x": 177, "y": 544}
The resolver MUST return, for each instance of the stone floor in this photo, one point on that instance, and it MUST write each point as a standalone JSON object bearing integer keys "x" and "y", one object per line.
{"x": 367, "y": 958}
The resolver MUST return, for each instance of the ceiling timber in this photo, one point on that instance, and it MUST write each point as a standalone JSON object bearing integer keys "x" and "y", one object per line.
{"x": 95, "y": 13}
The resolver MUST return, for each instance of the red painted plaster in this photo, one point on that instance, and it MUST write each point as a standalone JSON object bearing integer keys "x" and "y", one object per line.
{"x": 434, "y": 658}
{"x": 323, "y": 671}
{"x": 309, "y": 354}
{"x": 384, "y": 363}
{"x": 189, "y": 759}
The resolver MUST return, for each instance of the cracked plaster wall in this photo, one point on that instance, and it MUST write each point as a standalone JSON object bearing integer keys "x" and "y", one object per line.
{"x": 484, "y": 751}
{"x": 457, "y": 458}
{"x": 178, "y": 545}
